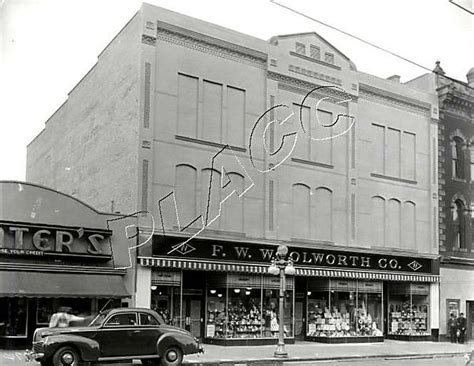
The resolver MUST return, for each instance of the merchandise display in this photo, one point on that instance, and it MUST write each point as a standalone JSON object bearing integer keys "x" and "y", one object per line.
{"x": 408, "y": 320}
{"x": 408, "y": 310}
{"x": 250, "y": 312}
{"x": 323, "y": 323}
{"x": 347, "y": 313}
{"x": 244, "y": 319}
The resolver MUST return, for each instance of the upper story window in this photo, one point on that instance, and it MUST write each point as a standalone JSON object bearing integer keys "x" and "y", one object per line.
{"x": 458, "y": 225}
{"x": 329, "y": 58}
{"x": 315, "y": 52}
{"x": 300, "y": 48}
{"x": 458, "y": 158}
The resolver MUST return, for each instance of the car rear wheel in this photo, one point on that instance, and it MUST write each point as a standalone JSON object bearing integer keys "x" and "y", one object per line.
{"x": 66, "y": 356}
{"x": 173, "y": 356}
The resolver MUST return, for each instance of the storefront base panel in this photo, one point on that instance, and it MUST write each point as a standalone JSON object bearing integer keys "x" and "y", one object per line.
{"x": 345, "y": 339}
{"x": 409, "y": 338}
{"x": 247, "y": 341}
{"x": 15, "y": 343}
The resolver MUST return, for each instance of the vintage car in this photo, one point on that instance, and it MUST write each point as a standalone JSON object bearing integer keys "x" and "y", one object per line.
{"x": 114, "y": 335}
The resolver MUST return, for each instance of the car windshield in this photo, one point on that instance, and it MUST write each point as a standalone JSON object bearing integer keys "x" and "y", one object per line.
{"x": 99, "y": 319}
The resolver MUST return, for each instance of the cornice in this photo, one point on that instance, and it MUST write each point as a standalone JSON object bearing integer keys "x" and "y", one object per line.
{"x": 295, "y": 85}
{"x": 457, "y": 260}
{"x": 457, "y": 103}
{"x": 392, "y": 99}
{"x": 217, "y": 47}
{"x": 149, "y": 40}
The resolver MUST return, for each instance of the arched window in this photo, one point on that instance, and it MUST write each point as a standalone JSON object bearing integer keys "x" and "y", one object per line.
{"x": 378, "y": 221}
{"x": 324, "y": 214}
{"x": 458, "y": 225}
{"x": 458, "y": 158}
{"x": 301, "y": 210}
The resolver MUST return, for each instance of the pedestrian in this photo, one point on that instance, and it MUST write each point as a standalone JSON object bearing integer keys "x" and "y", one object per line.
{"x": 63, "y": 317}
{"x": 452, "y": 325}
{"x": 461, "y": 327}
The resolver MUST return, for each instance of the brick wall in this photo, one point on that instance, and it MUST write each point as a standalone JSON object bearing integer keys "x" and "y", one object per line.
{"x": 90, "y": 143}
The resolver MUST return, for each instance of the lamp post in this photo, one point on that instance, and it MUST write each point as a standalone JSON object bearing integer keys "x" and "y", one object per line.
{"x": 281, "y": 266}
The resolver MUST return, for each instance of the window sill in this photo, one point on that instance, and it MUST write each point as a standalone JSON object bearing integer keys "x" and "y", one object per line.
{"x": 208, "y": 143}
{"x": 313, "y": 163}
{"x": 460, "y": 180}
{"x": 307, "y": 58}
{"x": 401, "y": 180}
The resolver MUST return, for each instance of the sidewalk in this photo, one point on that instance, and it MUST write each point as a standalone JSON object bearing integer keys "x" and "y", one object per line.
{"x": 311, "y": 351}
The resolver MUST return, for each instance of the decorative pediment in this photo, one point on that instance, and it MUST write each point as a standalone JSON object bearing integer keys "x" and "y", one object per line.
{"x": 314, "y": 48}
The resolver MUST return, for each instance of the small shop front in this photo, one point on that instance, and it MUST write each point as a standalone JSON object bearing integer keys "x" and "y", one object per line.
{"x": 222, "y": 292}
{"x": 55, "y": 252}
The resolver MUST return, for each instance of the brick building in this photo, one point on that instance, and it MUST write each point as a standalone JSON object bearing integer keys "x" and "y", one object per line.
{"x": 456, "y": 174}
{"x": 168, "y": 121}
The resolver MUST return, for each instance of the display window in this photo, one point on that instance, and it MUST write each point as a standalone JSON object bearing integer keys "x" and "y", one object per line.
{"x": 166, "y": 296}
{"x": 13, "y": 317}
{"x": 246, "y": 307}
{"x": 408, "y": 309}
{"x": 165, "y": 301}
{"x": 339, "y": 308}
{"x": 44, "y": 311}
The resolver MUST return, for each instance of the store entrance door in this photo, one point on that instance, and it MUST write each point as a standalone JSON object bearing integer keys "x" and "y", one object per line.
{"x": 193, "y": 314}
{"x": 470, "y": 319}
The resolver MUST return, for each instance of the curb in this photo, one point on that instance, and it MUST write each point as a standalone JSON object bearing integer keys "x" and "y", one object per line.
{"x": 271, "y": 361}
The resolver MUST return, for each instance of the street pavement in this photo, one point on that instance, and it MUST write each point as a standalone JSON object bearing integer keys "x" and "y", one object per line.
{"x": 311, "y": 351}
{"x": 431, "y": 361}
{"x": 388, "y": 352}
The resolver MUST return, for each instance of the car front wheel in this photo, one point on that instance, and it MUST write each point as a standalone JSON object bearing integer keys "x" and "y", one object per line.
{"x": 66, "y": 356}
{"x": 173, "y": 356}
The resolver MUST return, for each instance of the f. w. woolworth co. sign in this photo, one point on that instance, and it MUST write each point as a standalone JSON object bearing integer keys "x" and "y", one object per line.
{"x": 263, "y": 253}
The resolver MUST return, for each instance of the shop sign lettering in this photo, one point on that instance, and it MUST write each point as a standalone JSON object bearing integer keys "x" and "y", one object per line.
{"x": 21, "y": 240}
{"x": 230, "y": 251}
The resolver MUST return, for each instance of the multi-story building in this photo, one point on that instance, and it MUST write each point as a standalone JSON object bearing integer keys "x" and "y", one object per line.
{"x": 235, "y": 145}
{"x": 456, "y": 176}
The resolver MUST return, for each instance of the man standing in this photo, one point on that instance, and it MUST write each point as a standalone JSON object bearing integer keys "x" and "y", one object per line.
{"x": 461, "y": 325}
{"x": 452, "y": 326}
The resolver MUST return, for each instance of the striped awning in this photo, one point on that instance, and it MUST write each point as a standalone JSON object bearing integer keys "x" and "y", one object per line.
{"x": 300, "y": 271}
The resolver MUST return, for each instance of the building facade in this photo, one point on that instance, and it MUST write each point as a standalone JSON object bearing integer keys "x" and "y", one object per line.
{"x": 55, "y": 251}
{"x": 234, "y": 145}
{"x": 456, "y": 179}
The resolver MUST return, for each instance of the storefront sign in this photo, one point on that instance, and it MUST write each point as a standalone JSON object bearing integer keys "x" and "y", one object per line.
{"x": 26, "y": 240}
{"x": 9, "y": 251}
{"x": 241, "y": 252}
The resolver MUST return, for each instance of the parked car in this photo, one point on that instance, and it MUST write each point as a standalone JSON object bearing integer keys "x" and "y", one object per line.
{"x": 114, "y": 335}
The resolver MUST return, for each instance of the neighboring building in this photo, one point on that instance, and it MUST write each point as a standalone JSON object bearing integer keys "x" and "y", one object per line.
{"x": 456, "y": 200}
{"x": 358, "y": 212}
{"x": 55, "y": 251}
{"x": 456, "y": 179}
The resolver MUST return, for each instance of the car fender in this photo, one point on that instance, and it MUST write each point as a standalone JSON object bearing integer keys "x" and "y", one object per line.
{"x": 183, "y": 341}
{"x": 88, "y": 348}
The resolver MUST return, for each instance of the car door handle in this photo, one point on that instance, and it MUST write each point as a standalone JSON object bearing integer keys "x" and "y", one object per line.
{"x": 136, "y": 331}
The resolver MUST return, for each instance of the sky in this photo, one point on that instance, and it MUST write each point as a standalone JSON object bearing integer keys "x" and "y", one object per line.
{"x": 47, "y": 46}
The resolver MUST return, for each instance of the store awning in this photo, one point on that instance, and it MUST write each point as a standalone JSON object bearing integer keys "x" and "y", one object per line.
{"x": 300, "y": 271}
{"x": 43, "y": 284}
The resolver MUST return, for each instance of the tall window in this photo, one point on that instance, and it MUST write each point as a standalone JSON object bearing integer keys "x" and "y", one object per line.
{"x": 301, "y": 211}
{"x": 458, "y": 225}
{"x": 300, "y": 48}
{"x": 472, "y": 163}
{"x": 458, "y": 158}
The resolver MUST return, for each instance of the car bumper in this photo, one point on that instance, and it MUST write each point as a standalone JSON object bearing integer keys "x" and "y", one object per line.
{"x": 33, "y": 356}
